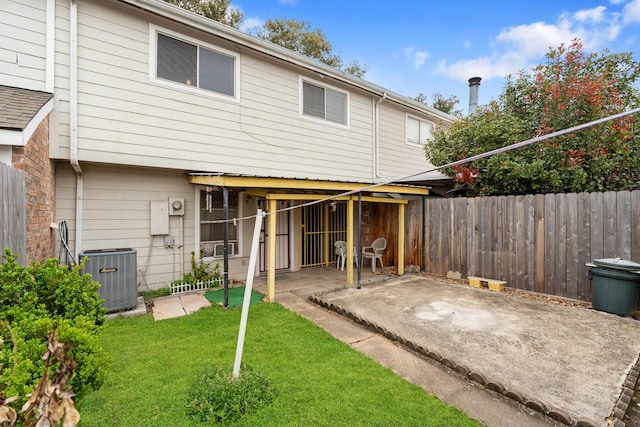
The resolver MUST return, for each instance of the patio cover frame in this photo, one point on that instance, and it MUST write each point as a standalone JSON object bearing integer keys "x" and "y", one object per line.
{"x": 275, "y": 189}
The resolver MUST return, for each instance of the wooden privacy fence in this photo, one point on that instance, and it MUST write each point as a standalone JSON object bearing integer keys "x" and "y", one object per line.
{"x": 539, "y": 243}
{"x": 12, "y": 210}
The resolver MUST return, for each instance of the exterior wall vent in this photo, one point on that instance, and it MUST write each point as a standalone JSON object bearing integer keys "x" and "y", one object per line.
{"x": 116, "y": 271}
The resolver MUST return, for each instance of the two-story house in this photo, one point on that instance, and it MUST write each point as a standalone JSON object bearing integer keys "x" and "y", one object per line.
{"x": 164, "y": 123}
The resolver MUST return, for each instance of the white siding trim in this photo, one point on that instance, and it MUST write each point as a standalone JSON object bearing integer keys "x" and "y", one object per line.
{"x": 301, "y": 80}
{"x": 154, "y": 30}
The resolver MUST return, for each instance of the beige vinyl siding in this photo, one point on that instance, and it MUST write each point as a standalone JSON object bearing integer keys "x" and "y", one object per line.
{"x": 126, "y": 119}
{"x": 397, "y": 158}
{"x": 117, "y": 214}
{"x": 23, "y": 29}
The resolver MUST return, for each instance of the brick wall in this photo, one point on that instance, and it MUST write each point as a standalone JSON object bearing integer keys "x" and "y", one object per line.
{"x": 40, "y": 193}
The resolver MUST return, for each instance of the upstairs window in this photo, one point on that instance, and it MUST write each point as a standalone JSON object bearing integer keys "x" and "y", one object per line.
{"x": 324, "y": 103}
{"x": 181, "y": 61}
{"x": 418, "y": 131}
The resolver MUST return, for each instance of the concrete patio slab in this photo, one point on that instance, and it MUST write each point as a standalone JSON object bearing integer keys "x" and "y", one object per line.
{"x": 570, "y": 359}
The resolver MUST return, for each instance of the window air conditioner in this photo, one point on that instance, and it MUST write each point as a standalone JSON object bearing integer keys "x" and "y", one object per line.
{"x": 218, "y": 249}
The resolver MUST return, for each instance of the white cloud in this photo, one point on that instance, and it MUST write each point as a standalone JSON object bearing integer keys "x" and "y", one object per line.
{"x": 250, "y": 25}
{"x": 419, "y": 58}
{"x": 631, "y": 12}
{"x": 594, "y": 15}
{"x": 521, "y": 47}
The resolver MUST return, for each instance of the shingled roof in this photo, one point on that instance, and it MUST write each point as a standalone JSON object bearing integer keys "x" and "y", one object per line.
{"x": 19, "y": 106}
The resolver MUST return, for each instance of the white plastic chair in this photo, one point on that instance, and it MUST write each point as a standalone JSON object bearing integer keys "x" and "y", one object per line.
{"x": 341, "y": 252}
{"x": 375, "y": 252}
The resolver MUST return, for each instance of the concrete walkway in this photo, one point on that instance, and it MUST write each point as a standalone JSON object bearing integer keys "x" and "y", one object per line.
{"x": 178, "y": 305}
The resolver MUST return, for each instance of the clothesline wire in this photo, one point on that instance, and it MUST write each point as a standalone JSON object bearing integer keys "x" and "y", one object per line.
{"x": 446, "y": 166}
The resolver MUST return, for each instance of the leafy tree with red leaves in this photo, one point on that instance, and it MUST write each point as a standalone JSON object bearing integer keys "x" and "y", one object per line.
{"x": 570, "y": 89}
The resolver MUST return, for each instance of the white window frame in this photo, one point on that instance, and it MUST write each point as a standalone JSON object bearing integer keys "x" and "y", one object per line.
{"x": 153, "y": 51}
{"x": 406, "y": 130}
{"x": 301, "y": 81}
{"x": 240, "y": 224}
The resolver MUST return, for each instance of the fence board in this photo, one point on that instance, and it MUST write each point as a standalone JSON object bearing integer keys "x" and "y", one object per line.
{"x": 560, "y": 243}
{"x": 571, "y": 258}
{"x": 477, "y": 249}
{"x": 635, "y": 225}
{"x": 583, "y": 221}
{"x": 12, "y": 211}
{"x": 550, "y": 242}
{"x": 520, "y": 269}
{"x": 610, "y": 226}
{"x": 597, "y": 225}
{"x": 623, "y": 224}
{"x": 471, "y": 226}
{"x": 460, "y": 232}
{"x": 509, "y": 237}
{"x": 498, "y": 241}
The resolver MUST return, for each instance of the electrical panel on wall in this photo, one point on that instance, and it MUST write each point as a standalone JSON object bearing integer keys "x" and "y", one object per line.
{"x": 159, "y": 218}
{"x": 176, "y": 206}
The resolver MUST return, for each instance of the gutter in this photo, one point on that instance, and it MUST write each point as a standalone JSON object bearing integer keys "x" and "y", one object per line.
{"x": 73, "y": 122}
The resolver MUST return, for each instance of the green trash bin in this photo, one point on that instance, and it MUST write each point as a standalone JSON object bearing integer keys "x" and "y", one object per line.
{"x": 615, "y": 285}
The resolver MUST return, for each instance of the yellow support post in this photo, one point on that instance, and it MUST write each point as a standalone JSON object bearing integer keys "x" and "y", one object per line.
{"x": 271, "y": 252}
{"x": 350, "y": 242}
{"x": 300, "y": 233}
{"x": 326, "y": 234}
{"x": 400, "y": 240}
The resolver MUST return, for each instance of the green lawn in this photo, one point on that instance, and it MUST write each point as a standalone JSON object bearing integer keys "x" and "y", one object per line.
{"x": 320, "y": 381}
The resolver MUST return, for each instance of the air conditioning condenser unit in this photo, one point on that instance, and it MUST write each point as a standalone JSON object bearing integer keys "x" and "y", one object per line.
{"x": 116, "y": 271}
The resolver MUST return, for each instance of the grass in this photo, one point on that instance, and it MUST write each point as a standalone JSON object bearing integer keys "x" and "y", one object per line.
{"x": 320, "y": 381}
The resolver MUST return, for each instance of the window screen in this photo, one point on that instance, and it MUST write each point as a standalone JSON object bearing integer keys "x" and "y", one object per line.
{"x": 418, "y": 131}
{"x": 313, "y": 100}
{"x": 217, "y": 72}
{"x": 324, "y": 103}
{"x": 177, "y": 60}
{"x": 193, "y": 65}
{"x": 336, "y": 106}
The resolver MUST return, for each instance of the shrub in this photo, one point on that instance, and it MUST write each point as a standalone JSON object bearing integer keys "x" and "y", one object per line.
{"x": 37, "y": 299}
{"x": 219, "y": 397}
{"x": 200, "y": 271}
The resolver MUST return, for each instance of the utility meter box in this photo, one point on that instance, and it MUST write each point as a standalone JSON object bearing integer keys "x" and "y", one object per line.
{"x": 116, "y": 271}
{"x": 176, "y": 206}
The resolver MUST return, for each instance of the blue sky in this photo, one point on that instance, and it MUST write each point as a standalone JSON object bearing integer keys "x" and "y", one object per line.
{"x": 414, "y": 47}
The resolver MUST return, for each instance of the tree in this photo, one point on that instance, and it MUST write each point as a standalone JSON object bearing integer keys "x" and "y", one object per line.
{"x": 300, "y": 37}
{"x": 571, "y": 88}
{"x": 439, "y": 102}
{"x": 218, "y": 10}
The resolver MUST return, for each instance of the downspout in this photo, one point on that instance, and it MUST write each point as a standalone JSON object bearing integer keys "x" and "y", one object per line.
{"x": 73, "y": 121}
{"x": 376, "y": 137}
{"x": 51, "y": 49}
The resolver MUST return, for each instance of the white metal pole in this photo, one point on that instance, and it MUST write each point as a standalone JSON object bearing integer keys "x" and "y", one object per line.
{"x": 255, "y": 244}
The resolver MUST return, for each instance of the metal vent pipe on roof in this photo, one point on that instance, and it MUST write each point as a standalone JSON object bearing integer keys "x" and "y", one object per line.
{"x": 474, "y": 88}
